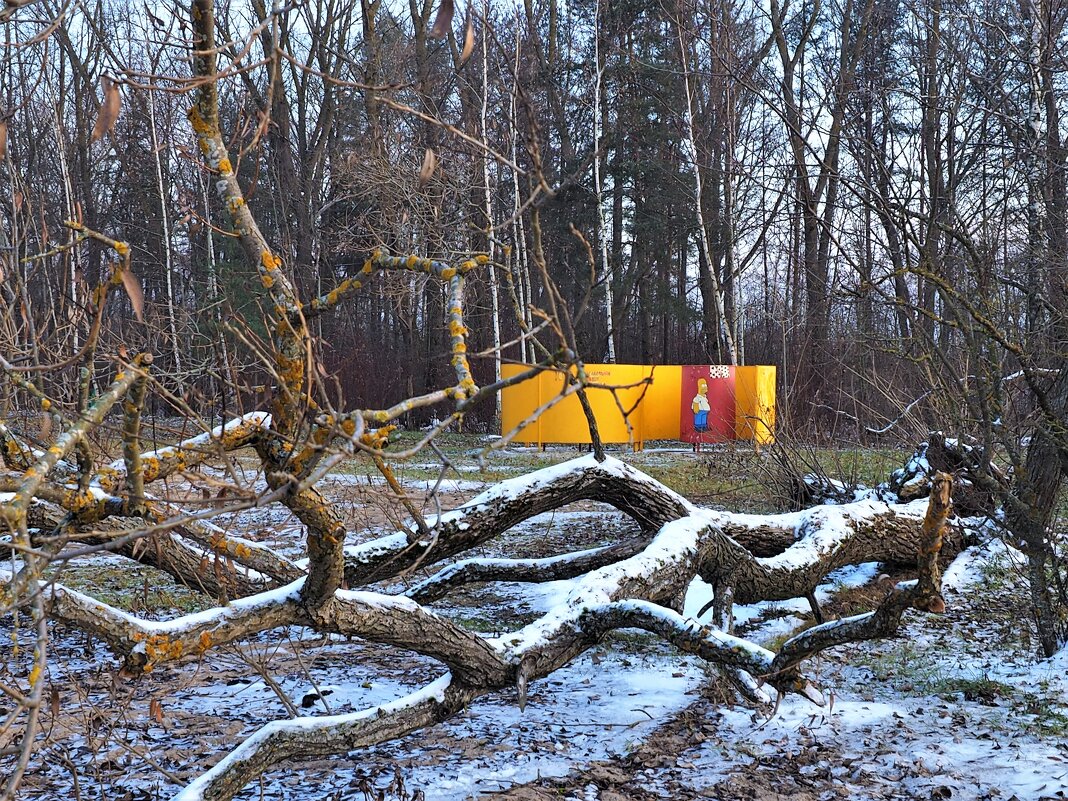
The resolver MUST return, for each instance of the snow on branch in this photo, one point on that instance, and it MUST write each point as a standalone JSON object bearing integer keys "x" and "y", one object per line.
{"x": 320, "y": 736}
{"x": 189, "y": 453}
{"x": 552, "y": 568}
{"x": 145, "y": 644}
{"x": 510, "y": 502}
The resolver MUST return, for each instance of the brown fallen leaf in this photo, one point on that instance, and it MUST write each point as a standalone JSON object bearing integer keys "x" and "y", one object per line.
{"x": 137, "y": 296}
{"x": 3, "y": 139}
{"x": 109, "y": 109}
{"x": 443, "y": 21}
{"x": 469, "y": 41}
{"x": 430, "y": 163}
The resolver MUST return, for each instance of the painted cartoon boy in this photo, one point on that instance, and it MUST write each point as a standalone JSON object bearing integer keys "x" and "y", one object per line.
{"x": 701, "y": 407}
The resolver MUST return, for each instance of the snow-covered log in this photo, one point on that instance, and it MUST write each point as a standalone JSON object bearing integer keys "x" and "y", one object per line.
{"x": 649, "y": 503}
{"x": 633, "y": 592}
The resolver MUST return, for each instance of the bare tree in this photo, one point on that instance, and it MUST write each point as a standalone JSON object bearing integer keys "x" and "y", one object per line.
{"x": 63, "y": 501}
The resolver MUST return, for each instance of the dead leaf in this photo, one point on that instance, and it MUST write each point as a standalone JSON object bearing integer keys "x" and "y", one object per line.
{"x": 155, "y": 709}
{"x": 109, "y": 109}
{"x": 3, "y": 139}
{"x": 469, "y": 41}
{"x": 443, "y": 21}
{"x": 430, "y": 163}
{"x": 137, "y": 297}
{"x": 18, "y": 199}
{"x": 53, "y": 701}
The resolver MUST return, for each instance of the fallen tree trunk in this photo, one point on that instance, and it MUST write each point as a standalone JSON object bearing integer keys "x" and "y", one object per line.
{"x": 633, "y": 592}
{"x": 822, "y": 539}
{"x": 635, "y": 584}
{"x": 196, "y": 554}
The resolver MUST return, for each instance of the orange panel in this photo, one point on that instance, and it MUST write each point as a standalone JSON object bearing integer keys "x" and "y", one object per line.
{"x": 660, "y": 407}
{"x": 755, "y": 403}
{"x": 741, "y": 403}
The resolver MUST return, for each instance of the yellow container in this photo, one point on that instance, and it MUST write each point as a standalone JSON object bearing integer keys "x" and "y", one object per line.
{"x": 617, "y": 405}
{"x": 520, "y": 402}
{"x": 544, "y": 413}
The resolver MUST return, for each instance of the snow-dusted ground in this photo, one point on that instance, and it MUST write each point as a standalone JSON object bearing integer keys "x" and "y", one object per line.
{"x": 600, "y": 706}
{"x": 950, "y": 710}
{"x": 956, "y": 708}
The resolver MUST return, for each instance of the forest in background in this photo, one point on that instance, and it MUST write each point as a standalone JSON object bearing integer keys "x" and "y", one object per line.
{"x": 869, "y": 195}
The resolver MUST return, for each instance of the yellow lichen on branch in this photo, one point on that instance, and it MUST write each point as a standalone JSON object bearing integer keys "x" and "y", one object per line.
{"x": 457, "y": 338}
{"x": 290, "y": 334}
{"x": 15, "y": 509}
{"x": 161, "y": 648}
{"x": 221, "y": 544}
{"x": 379, "y": 438}
{"x": 465, "y": 386}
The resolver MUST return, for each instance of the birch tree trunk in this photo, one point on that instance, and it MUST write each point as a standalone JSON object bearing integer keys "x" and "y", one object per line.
{"x": 602, "y": 228}
{"x": 726, "y": 326}
{"x": 491, "y": 241}
{"x": 168, "y": 264}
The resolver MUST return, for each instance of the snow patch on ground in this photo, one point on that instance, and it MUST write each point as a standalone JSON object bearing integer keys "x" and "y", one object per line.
{"x": 600, "y": 706}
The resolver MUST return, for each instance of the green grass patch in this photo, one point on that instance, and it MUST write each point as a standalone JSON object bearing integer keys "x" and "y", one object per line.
{"x": 1048, "y": 721}
{"x": 867, "y": 466}
{"x": 776, "y": 643}
{"x": 132, "y": 587}
{"x": 912, "y": 671}
{"x": 974, "y": 688}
